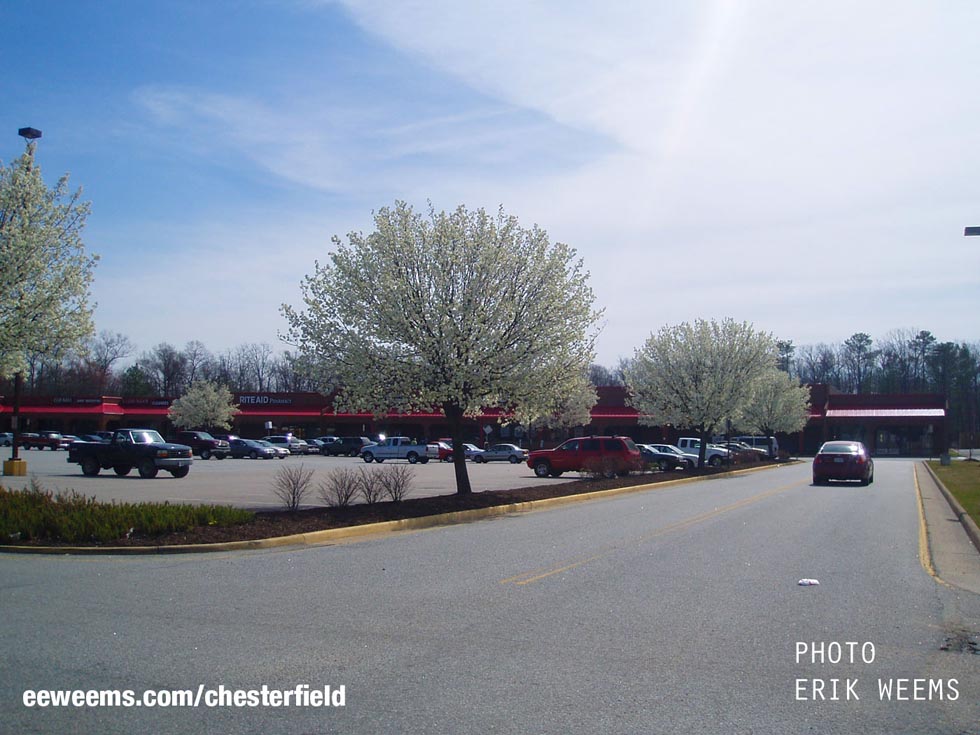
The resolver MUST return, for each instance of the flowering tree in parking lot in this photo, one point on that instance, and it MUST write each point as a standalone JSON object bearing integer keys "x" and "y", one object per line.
{"x": 205, "y": 404}
{"x": 451, "y": 311}
{"x": 45, "y": 273}
{"x": 779, "y": 403}
{"x": 699, "y": 375}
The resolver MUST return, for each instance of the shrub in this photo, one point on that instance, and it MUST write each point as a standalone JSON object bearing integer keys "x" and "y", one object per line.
{"x": 369, "y": 484}
{"x": 340, "y": 488}
{"x": 607, "y": 466}
{"x": 747, "y": 456}
{"x": 292, "y": 485}
{"x": 68, "y": 517}
{"x": 396, "y": 481}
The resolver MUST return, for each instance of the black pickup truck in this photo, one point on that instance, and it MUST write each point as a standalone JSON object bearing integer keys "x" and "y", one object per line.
{"x": 143, "y": 449}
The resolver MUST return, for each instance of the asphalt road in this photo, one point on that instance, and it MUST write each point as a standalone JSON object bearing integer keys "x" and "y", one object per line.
{"x": 675, "y": 610}
{"x": 248, "y": 483}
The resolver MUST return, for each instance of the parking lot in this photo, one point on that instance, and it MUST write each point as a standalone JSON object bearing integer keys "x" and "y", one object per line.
{"x": 248, "y": 483}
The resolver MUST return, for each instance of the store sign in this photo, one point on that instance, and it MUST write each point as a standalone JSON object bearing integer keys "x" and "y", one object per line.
{"x": 246, "y": 399}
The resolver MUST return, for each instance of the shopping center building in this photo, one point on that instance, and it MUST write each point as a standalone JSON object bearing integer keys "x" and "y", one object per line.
{"x": 889, "y": 424}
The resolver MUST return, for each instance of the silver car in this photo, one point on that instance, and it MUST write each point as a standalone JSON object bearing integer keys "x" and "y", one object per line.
{"x": 501, "y": 453}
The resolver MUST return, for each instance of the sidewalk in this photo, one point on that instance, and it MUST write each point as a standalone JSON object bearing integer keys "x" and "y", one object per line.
{"x": 954, "y": 557}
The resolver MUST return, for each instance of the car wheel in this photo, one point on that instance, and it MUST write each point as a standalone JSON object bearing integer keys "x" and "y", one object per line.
{"x": 542, "y": 469}
{"x": 205, "y": 454}
{"x": 479, "y": 459}
{"x": 412, "y": 458}
{"x": 715, "y": 461}
{"x": 90, "y": 467}
{"x": 253, "y": 454}
{"x": 122, "y": 469}
{"x": 514, "y": 459}
{"x": 147, "y": 469}
{"x": 179, "y": 472}
{"x": 865, "y": 481}
{"x": 221, "y": 456}
{"x": 367, "y": 457}
{"x": 664, "y": 465}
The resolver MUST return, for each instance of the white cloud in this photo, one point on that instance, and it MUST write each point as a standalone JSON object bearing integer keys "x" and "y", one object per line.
{"x": 791, "y": 164}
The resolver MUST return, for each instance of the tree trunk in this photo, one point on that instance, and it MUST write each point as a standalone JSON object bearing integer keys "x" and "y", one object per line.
{"x": 16, "y": 428}
{"x": 454, "y": 417}
{"x": 703, "y": 448}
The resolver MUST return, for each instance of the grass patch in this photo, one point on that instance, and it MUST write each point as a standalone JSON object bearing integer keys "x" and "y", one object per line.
{"x": 963, "y": 480}
{"x": 36, "y": 514}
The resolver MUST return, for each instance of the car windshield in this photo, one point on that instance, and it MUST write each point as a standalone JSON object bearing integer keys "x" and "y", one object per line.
{"x": 840, "y": 448}
{"x": 147, "y": 437}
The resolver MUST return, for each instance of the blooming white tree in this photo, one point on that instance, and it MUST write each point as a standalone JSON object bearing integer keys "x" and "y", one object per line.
{"x": 573, "y": 408}
{"x": 45, "y": 273}
{"x": 697, "y": 376}
{"x": 205, "y": 404}
{"x": 451, "y": 311}
{"x": 779, "y": 403}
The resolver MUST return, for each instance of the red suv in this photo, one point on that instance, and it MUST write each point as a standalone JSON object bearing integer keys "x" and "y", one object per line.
{"x": 605, "y": 455}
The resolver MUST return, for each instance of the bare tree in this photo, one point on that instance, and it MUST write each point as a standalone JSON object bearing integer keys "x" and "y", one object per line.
{"x": 166, "y": 368}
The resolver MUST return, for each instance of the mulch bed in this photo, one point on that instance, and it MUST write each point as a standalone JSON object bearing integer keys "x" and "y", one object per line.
{"x": 270, "y": 524}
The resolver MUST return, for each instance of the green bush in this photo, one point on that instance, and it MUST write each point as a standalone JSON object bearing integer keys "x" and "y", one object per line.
{"x": 39, "y": 514}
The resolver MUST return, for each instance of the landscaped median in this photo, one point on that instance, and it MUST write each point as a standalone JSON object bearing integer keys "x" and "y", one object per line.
{"x": 960, "y": 481}
{"x": 219, "y": 532}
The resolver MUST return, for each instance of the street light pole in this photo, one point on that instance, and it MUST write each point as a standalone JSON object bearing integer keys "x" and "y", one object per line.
{"x": 970, "y": 232}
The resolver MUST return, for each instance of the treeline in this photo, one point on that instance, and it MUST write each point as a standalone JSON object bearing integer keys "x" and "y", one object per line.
{"x": 903, "y": 361}
{"x": 107, "y": 367}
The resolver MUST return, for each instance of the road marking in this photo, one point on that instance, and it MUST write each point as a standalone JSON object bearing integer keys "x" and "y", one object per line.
{"x": 925, "y": 556}
{"x": 564, "y": 566}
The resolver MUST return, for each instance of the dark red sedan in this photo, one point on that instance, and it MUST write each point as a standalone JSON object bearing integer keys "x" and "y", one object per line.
{"x": 843, "y": 460}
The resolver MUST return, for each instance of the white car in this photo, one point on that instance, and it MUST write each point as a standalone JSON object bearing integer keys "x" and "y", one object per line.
{"x": 290, "y": 443}
{"x": 281, "y": 451}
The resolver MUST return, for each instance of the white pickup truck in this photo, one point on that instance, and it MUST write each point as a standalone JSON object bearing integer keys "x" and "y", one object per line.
{"x": 396, "y": 447}
{"x": 713, "y": 455}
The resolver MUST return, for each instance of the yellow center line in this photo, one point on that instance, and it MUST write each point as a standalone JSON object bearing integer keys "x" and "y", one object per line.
{"x": 542, "y": 573}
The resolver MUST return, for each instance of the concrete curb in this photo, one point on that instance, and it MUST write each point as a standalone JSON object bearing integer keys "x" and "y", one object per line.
{"x": 315, "y": 538}
{"x": 969, "y": 525}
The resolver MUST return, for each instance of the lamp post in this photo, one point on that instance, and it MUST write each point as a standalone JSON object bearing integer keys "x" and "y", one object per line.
{"x": 17, "y": 466}
{"x": 968, "y": 232}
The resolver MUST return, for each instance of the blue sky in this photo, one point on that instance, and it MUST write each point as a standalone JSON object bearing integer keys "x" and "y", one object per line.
{"x": 807, "y": 167}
